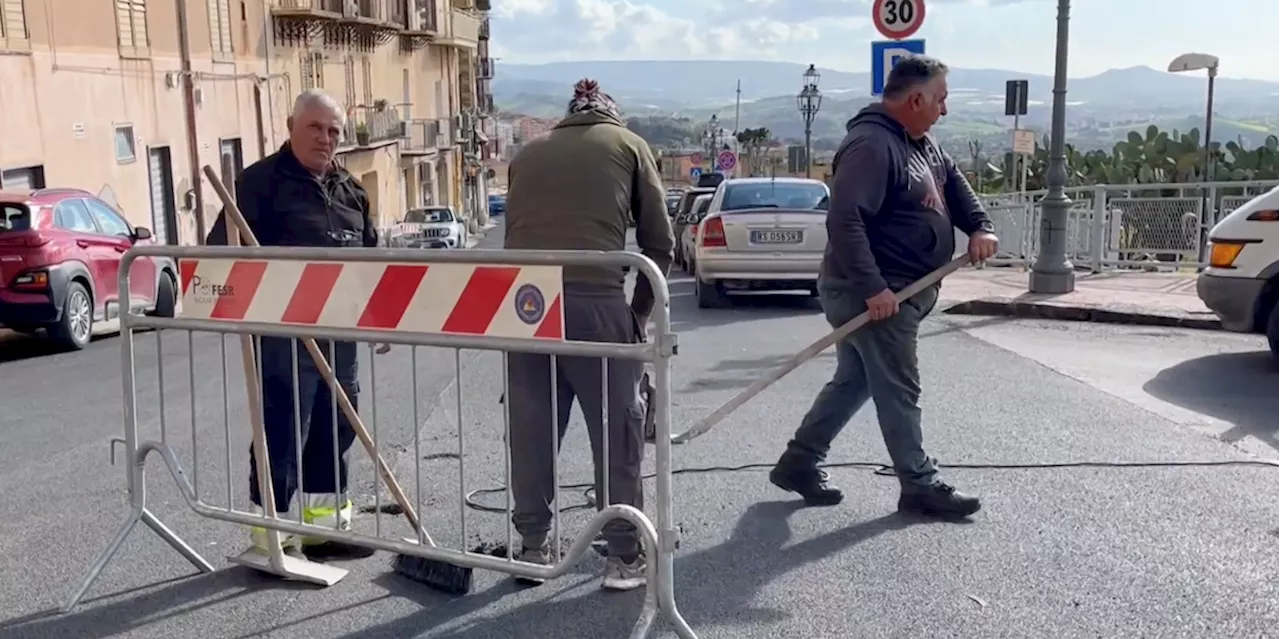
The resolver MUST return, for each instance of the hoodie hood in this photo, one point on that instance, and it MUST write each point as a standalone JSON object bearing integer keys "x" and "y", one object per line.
{"x": 588, "y": 118}
{"x": 876, "y": 113}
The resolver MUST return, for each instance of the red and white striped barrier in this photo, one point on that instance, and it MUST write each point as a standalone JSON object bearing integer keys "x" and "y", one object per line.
{"x": 460, "y": 299}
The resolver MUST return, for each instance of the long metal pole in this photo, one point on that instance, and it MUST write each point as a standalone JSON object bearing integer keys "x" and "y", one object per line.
{"x": 1208, "y": 207}
{"x": 1053, "y": 272}
{"x": 189, "y": 110}
{"x": 808, "y": 140}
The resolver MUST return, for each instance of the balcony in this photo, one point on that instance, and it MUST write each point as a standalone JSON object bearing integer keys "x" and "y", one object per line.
{"x": 425, "y": 136}
{"x": 486, "y": 104}
{"x": 483, "y": 5}
{"x": 422, "y": 27}
{"x": 317, "y": 8}
{"x": 484, "y": 28}
{"x": 372, "y": 126}
{"x": 484, "y": 66}
{"x": 464, "y": 30}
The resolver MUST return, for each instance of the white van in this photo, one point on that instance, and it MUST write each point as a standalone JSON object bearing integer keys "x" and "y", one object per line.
{"x": 1240, "y": 283}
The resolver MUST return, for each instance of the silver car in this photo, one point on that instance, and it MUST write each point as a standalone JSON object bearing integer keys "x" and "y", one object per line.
{"x": 760, "y": 235}
{"x": 431, "y": 227}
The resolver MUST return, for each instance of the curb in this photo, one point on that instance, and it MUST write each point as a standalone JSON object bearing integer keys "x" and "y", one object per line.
{"x": 1040, "y": 310}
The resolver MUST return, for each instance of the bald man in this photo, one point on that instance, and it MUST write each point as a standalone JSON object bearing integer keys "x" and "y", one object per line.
{"x": 299, "y": 196}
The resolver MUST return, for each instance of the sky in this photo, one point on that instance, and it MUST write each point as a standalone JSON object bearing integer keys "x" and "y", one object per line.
{"x": 1013, "y": 35}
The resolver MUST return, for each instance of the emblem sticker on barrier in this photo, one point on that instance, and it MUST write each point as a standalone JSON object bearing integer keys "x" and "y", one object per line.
{"x": 460, "y": 299}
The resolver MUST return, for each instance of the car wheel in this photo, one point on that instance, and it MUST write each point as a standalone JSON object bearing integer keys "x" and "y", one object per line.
{"x": 76, "y": 326}
{"x": 1272, "y": 332}
{"x": 166, "y": 297}
{"x": 710, "y": 295}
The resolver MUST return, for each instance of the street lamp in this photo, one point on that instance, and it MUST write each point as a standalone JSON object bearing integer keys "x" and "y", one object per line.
{"x": 1053, "y": 273}
{"x": 809, "y": 101}
{"x": 713, "y": 139}
{"x": 1196, "y": 62}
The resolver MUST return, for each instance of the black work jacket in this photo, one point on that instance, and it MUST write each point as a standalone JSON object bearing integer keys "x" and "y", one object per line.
{"x": 286, "y": 205}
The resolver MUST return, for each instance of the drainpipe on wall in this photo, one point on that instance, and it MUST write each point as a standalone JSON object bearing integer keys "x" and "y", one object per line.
{"x": 189, "y": 110}
{"x": 268, "y": 39}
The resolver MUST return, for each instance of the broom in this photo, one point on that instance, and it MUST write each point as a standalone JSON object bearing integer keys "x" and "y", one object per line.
{"x": 433, "y": 573}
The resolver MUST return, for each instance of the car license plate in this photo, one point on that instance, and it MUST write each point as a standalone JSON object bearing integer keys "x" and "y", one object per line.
{"x": 777, "y": 237}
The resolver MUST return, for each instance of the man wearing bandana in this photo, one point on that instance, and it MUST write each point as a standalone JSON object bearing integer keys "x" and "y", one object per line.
{"x": 896, "y": 199}
{"x": 577, "y": 188}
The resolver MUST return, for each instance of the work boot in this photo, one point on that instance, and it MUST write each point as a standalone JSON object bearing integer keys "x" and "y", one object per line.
{"x": 805, "y": 478}
{"x": 322, "y": 510}
{"x": 938, "y": 499}
{"x": 540, "y": 555}
{"x": 620, "y": 574}
{"x": 258, "y": 538}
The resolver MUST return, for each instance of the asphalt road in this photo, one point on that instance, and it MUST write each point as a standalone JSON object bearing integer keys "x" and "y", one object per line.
{"x": 1077, "y": 551}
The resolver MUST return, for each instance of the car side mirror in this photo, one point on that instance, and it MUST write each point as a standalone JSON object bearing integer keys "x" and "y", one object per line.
{"x": 141, "y": 233}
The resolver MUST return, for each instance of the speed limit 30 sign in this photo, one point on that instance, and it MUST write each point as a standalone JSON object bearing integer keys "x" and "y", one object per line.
{"x": 898, "y": 19}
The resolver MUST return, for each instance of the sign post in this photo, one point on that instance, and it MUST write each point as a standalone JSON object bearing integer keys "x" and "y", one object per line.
{"x": 695, "y": 172}
{"x": 1015, "y": 104}
{"x": 896, "y": 20}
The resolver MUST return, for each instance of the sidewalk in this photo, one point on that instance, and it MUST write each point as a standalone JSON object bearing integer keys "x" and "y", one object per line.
{"x": 1123, "y": 297}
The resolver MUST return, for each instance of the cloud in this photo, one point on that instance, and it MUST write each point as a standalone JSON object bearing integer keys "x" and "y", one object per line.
{"x": 546, "y": 30}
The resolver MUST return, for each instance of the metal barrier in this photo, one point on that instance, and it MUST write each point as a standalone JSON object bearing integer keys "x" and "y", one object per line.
{"x": 486, "y": 300}
{"x": 1121, "y": 225}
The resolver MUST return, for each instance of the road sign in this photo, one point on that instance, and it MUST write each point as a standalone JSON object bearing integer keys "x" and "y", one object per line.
{"x": 897, "y": 19}
{"x": 1015, "y": 97}
{"x": 1024, "y": 142}
{"x": 695, "y": 172}
{"x": 726, "y": 160}
{"x": 885, "y": 54}
{"x": 696, "y": 158}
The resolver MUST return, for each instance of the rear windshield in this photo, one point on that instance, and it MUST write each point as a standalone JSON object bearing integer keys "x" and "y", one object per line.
{"x": 775, "y": 195}
{"x": 686, "y": 205}
{"x": 701, "y": 206}
{"x": 428, "y": 216}
{"x": 14, "y": 217}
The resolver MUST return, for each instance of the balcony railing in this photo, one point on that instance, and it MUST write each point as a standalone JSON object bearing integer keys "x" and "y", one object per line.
{"x": 372, "y": 125}
{"x": 486, "y": 103}
{"x": 484, "y": 26}
{"x": 485, "y": 67}
{"x": 326, "y": 6}
{"x": 464, "y": 29}
{"x": 425, "y": 135}
{"x": 366, "y": 9}
{"x": 483, "y": 5}
{"x": 423, "y": 16}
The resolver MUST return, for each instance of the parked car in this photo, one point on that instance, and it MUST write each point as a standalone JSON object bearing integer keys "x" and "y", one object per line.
{"x": 760, "y": 234}
{"x": 682, "y": 211}
{"x": 497, "y": 205}
{"x": 1240, "y": 283}
{"x": 431, "y": 227}
{"x": 60, "y": 253}
{"x": 688, "y": 238}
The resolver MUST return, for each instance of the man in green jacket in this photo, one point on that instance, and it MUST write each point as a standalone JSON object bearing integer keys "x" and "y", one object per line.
{"x": 576, "y": 189}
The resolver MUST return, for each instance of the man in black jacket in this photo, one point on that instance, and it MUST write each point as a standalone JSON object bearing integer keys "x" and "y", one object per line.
{"x": 299, "y": 196}
{"x": 896, "y": 197}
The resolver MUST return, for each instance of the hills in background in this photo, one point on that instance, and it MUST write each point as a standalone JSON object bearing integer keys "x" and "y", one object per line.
{"x": 1102, "y": 108}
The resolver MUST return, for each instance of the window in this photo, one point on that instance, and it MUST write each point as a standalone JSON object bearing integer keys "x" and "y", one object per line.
{"x": 349, "y": 80}
{"x": 73, "y": 216}
{"x": 775, "y": 195}
{"x": 220, "y": 27}
{"x": 428, "y": 216}
{"x": 13, "y": 25}
{"x": 108, "y": 220}
{"x": 311, "y": 68}
{"x": 131, "y": 27}
{"x": 366, "y": 70}
{"x": 126, "y": 146}
{"x": 14, "y": 217}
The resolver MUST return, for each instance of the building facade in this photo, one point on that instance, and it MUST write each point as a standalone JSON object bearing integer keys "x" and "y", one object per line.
{"x": 100, "y": 102}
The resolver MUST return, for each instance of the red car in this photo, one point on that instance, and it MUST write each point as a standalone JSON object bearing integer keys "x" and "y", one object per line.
{"x": 60, "y": 253}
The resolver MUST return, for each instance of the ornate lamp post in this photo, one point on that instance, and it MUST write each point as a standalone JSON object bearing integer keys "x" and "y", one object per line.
{"x": 809, "y": 101}
{"x": 1053, "y": 272}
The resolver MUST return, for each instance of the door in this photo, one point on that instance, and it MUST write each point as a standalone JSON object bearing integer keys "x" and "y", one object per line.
{"x": 142, "y": 274}
{"x": 164, "y": 211}
{"x": 97, "y": 251}
{"x": 232, "y": 160}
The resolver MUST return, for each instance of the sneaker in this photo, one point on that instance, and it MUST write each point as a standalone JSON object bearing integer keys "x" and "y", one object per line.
{"x": 540, "y": 556}
{"x": 621, "y": 575}
{"x": 938, "y": 500}
{"x": 810, "y": 482}
{"x": 259, "y": 539}
{"x": 322, "y": 510}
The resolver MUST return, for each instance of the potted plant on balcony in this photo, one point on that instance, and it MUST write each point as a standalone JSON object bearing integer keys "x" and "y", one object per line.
{"x": 362, "y": 134}
{"x": 380, "y": 105}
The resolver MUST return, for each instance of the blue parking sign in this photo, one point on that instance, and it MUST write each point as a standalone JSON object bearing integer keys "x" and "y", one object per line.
{"x": 885, "y": 54}
{"x": 695, "y": 172}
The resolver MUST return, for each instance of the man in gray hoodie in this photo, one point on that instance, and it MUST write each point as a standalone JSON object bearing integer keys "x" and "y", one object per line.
{"x": 896, "y": 196}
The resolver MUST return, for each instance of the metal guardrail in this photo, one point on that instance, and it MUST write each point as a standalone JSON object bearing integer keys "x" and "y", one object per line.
{"x": 258, "y": 294}
{"x": 1122, "y": 226}
{"x": 370, "y": 125}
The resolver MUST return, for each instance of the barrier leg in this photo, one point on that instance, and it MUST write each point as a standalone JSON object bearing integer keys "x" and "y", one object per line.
{"x": 103, "y": 559}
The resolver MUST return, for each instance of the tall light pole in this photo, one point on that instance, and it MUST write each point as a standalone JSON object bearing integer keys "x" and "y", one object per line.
{"x": 713, "y": 140}
{"x": 1196, "y": 62}
{"x": 809, "y": 101}
{"x": 1053, "y": 272}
